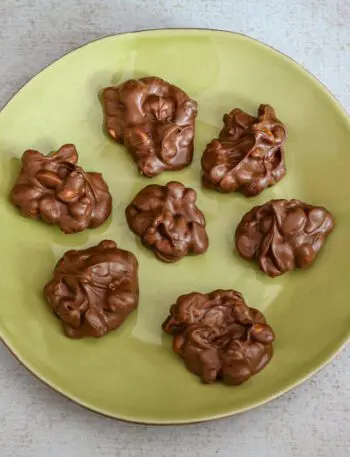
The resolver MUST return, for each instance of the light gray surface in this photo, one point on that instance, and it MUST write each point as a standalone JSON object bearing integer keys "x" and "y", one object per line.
{"x": 311, "y": 421}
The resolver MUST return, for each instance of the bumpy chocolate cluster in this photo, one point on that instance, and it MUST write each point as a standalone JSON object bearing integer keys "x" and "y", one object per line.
{"x": 283, "y": 234}
{"x": 248, "y": 157}
{"x": 55, "y": 189}
{"x": 94, "y": 290}
{"x": 219, "y": 337}
{"x": 168, "y": 221}
{"x": 155, "y": 121}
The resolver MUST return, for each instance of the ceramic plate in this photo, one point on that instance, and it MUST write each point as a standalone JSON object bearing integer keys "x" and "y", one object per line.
{"x": 132, "y": 374}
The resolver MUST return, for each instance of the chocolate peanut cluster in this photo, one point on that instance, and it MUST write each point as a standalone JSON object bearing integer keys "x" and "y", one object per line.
{"x": 248, "y": 156}
{"x": 283, "y": 234}
{"x": 168, "y": 221}
{"x": 219, "y": 336}
{"x": 94, "y": 290}
{"x": 155, "y": 121}
{"x": 55, "y": 189}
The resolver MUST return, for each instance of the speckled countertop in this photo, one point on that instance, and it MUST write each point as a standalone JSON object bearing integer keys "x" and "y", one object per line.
{"x": 313, "y": 419}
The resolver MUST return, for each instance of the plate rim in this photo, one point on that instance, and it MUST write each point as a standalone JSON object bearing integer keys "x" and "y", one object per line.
{"x": 209, "y": 417}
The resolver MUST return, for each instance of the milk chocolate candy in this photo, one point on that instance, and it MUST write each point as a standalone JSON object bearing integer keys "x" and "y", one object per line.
{"x": 155, "y": 120}
{"x": 55, "y": 189}
{"x": 94, "y": 290}
{"x": 248, "y": 156}
{"x": 168, "y": 221}
{"x": 283, "y": 234}
{"x": 219, "y": 336}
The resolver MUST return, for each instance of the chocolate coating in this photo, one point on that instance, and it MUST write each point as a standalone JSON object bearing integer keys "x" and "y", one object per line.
{"x": 155, "y": 121}
{"x": 94, "y": 290}
{"x": 248, "y": 157}
{"x": 55, "y": 189}
{"x": 219, "y": 337}
{"x": 283, "y": 234}
{"x": 168, "y": 221}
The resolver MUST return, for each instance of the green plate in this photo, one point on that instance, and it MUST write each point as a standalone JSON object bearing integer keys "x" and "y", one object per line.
{"x": 132, "y": 374}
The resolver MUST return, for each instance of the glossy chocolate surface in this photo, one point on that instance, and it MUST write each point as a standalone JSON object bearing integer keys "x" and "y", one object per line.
{"x": 283, "y": 234}
{"x": 155, "y": 121}
{"x": 248, "y": 157}
{"x": 168, "y": 221}
{"x": 55, "y": 189}
{"x": 219, "y": 337}
{"x": 94, "y": 290}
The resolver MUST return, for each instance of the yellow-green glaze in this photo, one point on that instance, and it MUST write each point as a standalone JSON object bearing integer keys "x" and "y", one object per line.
{"x": 132, "y": 373}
